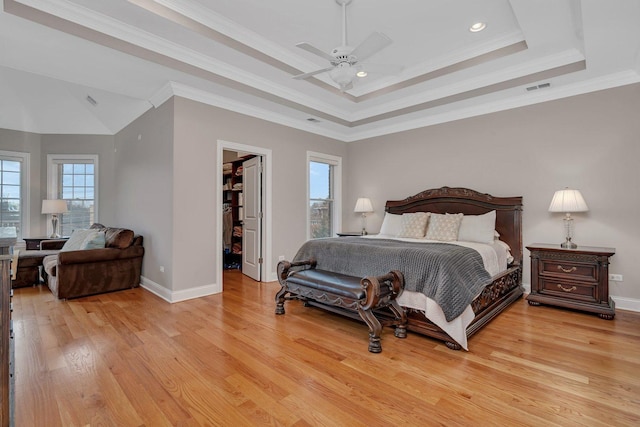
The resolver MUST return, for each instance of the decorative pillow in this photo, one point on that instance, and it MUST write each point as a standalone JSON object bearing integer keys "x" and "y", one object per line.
{"x": 444, "y": 227}
{"x": 478, "y": 228}
{"x": 94, "y": 240}
{"x": 391, "y": 224}
{"x": 414, "y": 225}
{"x": 75, "y": 240}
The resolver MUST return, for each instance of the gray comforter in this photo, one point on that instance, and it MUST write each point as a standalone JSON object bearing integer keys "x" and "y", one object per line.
{"x": 449, "y": 274}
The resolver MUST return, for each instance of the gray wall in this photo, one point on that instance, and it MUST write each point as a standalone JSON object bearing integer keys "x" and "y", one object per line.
{"x": 143, "y": 188}
{"x": 103, "y": 146}
{"x": 590, "y": 142}
{"x": 41, "y": 145}
{"x": 198, "y": 127}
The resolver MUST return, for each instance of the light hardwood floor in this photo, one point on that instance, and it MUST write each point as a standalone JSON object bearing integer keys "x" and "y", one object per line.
{"x": 130, "y": 359}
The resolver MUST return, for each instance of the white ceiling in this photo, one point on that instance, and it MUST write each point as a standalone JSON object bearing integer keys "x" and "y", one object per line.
{"x": 241, "y": 54}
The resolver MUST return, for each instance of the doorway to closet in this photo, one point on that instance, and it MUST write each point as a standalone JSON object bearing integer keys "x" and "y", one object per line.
{"x": 244, "y": 224}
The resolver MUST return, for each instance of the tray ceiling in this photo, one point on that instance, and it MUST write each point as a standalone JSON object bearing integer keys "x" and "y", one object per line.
{"x": 132, "y": 55}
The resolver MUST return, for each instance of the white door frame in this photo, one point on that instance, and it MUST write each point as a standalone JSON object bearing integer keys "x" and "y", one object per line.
{"x": 267, "y": 206}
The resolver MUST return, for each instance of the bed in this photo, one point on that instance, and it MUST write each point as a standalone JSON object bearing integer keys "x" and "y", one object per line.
{"x": 487, "y": 270}
{"x": 504, "y": 288}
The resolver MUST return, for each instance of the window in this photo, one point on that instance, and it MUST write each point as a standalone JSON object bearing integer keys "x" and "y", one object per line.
{"x": 324, "y": 195}
{"x": 74, "y": 178}
{"x": 14, "y": 172}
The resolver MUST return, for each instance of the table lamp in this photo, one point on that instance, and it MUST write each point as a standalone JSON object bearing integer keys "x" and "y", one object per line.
{"x": 54, "y": 207}
{"x": 568, "y": 201}
{"x": 364, "y": 206}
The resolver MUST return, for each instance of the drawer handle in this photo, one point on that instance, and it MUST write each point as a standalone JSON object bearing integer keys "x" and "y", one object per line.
{"x": 571, "y": 289}
{"x": 567, "y": 270}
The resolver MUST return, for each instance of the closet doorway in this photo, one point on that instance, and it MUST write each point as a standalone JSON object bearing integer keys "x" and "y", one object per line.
{"x": 244, "y": 222}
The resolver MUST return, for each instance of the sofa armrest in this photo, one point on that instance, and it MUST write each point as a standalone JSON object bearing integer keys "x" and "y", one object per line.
{"x": 99, "y": 255}
{"x": 52, "y": 244}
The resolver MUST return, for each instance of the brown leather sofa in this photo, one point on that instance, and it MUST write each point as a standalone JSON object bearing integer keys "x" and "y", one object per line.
{"x": 79, "y": 273}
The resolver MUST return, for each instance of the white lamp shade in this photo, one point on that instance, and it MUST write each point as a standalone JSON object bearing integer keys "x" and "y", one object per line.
{"x": 568, "y": 200}
{"x": 54, "y": 206}
{"x": 363, "y": 205}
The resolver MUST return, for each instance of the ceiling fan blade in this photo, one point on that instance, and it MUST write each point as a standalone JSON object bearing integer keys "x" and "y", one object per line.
{"x": 312, "y": 73}
{"x": 372, "y": 44}
{"x": 312, "y": 49}
{"x": 381, "y": 68}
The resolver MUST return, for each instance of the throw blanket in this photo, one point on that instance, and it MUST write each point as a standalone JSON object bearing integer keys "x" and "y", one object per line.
{"x": 449, "y": 274}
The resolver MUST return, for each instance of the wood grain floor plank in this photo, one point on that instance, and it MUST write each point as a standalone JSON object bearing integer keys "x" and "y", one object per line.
{"x": 131, "y": 359}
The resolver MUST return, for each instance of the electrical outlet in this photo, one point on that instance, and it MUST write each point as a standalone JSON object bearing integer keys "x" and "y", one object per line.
{"x": 615, "y": 277}
{"x": 162, "y": 269}
{"x": 281, "y": 258}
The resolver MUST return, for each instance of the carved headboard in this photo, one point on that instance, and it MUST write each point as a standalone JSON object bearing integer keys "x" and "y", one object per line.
{"x": 469, "y": 202}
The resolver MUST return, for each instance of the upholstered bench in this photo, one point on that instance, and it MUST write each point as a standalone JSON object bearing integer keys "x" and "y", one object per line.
{"x": 347, "y": 295}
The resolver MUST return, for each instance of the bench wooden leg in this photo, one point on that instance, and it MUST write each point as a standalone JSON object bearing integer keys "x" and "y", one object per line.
{"x": 375, "y": 329}
{"x": 280, "y": 300}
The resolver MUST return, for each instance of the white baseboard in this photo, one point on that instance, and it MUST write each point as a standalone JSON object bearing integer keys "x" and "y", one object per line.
{"x": 623, "y": 303}
{"x": 182, "y": 295}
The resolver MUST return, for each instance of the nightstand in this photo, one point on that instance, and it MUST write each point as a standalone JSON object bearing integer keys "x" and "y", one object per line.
{"x": 571, "y": 278}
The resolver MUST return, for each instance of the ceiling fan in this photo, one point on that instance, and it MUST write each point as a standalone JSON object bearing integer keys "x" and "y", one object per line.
{"x": 346, "y": 61}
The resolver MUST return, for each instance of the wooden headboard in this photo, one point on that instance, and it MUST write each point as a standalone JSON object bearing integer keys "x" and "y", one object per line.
{"x": 469, "y": 202}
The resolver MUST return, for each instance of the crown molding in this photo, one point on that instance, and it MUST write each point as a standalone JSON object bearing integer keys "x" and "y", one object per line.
{"x": 595, "y": 84}
{"x": 188, "y": 92}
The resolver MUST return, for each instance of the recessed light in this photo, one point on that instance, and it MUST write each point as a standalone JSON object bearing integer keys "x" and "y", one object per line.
{"x": 478, "y": 26}
{"x": 361, "y": 74}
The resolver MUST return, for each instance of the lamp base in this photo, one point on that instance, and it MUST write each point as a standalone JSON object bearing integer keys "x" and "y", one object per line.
{"x": 568, "y": 245}
{"x": 364, "y": 232}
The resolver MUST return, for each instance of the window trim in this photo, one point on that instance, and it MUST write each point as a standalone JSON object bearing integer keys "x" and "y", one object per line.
{"x": 25, "y": 186}
{"x": 336, "y": 162}
{"x": 52, "y": 177}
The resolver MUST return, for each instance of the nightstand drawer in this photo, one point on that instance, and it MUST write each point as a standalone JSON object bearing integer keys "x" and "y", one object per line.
{"x": 582, "y": 291}
{"x": 568, "y": 269}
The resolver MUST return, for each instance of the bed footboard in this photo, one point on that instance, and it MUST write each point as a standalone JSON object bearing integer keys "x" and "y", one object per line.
{"x": 495, "y": 298}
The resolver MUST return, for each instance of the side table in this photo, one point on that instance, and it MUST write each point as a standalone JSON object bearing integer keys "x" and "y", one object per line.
{"x": 571, "y": 278}
{"x": 33, "y": 243}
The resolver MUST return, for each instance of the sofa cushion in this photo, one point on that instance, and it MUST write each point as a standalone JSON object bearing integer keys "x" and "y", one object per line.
{"x": 120, "y": 238}
{"x": 49, "y": 263}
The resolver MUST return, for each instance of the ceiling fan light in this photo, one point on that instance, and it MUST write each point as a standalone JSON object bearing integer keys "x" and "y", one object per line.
{"x": 342, "y": 74}
{"x": 361, "y": 74}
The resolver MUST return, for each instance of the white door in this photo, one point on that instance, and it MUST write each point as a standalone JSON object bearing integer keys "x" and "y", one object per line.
{"x": 252, "y": 221}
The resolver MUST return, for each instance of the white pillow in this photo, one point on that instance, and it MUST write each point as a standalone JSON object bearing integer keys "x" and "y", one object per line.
{"x": 444, "y": 227}
{"x": 414, "y": 224}
{"x": 75, "y": 240}
{"x": 391, "y": 224}
{"x": 478, "y": 228}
